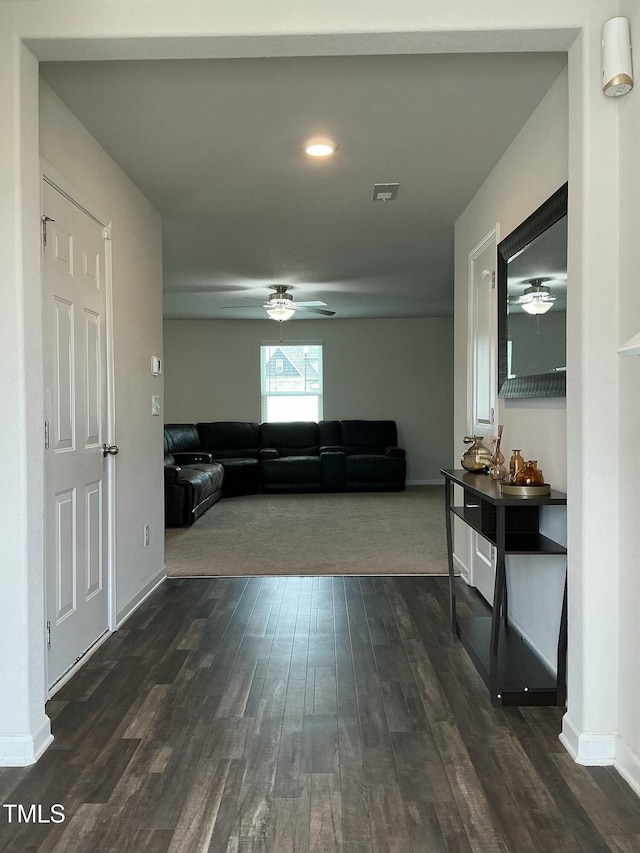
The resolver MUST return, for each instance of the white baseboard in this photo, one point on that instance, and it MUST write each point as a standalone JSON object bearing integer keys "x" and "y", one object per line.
{"x": 627, "y": 764}
{"x": 140, "y": 598}
{"x": 593, "y": 750}
{"x": 437, "y": 482}
{"x": 23, "y": 750}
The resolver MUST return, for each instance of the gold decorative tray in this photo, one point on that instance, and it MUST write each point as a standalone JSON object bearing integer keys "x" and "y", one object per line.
{"x": 524, "y": 491}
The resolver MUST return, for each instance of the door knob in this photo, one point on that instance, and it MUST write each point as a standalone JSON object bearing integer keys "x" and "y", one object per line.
{"x": 110, "y": 450}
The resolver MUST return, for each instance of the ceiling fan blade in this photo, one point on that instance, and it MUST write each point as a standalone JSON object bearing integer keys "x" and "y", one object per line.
{"x": 318, "y": 303}
{"x": 256, "y": 303}
{"x": 315, "y": 310}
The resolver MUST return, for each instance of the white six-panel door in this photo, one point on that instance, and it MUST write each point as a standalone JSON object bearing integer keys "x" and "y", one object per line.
{"x": 76, "y": 491}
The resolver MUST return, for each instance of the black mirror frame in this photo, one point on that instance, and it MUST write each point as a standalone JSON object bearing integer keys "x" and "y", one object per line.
{"x": 540, "y": 384}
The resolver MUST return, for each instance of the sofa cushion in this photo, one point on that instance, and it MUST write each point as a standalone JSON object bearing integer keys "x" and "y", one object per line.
{"x": 241, "y": 476}
{"x": 295, "y": 438}
{"x": 292, "y": 473}
{"x": 372, "y": 472}
{"x": 368, "y": 437}
{"x": 204, "y": 478}
{"x": 330, "y": 434}
{"x": 181, "y": 438}
{"x": 230, "y": 439}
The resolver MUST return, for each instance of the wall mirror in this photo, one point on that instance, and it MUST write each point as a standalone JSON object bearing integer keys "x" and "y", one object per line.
{"x": 532, "y": 304}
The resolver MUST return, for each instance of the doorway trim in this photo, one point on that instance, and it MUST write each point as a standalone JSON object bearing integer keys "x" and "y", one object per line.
{"x": 492, "y": 238}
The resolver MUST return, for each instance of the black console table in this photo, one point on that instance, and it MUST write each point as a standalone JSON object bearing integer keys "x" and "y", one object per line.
{"x": 509, "y": 667}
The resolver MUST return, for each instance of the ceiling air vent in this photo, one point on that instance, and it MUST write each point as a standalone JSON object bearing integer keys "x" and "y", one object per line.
{"x": 385, "y": 192}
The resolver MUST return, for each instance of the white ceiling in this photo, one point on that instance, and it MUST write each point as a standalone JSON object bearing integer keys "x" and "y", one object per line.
{"x": 216, "y": 146}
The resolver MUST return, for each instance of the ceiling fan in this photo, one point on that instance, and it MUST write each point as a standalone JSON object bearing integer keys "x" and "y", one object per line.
{"x": 281, "y": 306}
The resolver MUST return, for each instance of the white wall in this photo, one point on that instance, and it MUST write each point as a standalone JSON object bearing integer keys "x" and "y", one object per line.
{"x": 533, "y": 167}
{"x": 400, "y": 370}
{"x": 628, "y": 751}
{"x": 137, "y": 335}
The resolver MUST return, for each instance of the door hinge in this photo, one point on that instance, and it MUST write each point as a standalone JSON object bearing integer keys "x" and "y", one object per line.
{"x": 493, "y": 415}
{"x": 493, "y": 279}
{"x": 44, "y": 220}
{"x": 48, "y": 634}
{"x": 46, "y": 435}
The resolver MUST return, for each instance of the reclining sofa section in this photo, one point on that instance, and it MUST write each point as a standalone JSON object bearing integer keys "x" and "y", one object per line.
{"x": 301, "y": 456}
{"x": 192, "y": 483}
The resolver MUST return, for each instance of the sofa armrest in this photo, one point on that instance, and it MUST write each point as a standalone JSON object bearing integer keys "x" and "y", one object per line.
{"x": 330, "y": 448}
{"x": 171, "y": 474}
{"x": 396, "y": 452}
{"x": 267, "y": 453}
{"x": 191, "y": 456}
{"x": 334, "y": 470}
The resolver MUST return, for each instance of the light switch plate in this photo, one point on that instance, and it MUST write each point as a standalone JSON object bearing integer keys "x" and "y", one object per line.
{"x": 155, "y": 405}
{"x": 156, "y": 366}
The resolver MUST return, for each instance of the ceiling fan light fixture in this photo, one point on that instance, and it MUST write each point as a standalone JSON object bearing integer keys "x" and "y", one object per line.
{"x": 537, "y": 298}
{"x": 280, "y": 310}
{"x": 536, "y": 306}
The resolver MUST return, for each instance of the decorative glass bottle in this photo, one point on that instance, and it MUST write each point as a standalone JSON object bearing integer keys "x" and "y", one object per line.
{"x": 477, "y": 458}
{"x": 530, "y": 475}
{"x": 515, "y": 464}
{"x": 498, "y": 470}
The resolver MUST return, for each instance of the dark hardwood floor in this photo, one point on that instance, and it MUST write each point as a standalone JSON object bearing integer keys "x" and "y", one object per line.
{"x": 246, "y": 715}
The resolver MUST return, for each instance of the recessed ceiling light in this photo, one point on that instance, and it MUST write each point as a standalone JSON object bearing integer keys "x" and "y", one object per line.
{"x": 320, "y": 149}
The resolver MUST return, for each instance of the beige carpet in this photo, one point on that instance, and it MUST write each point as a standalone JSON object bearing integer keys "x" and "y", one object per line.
{"x": 333, "y": 534}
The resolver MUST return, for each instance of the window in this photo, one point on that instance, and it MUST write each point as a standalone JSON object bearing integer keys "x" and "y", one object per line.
{"x": 291, "y": 382}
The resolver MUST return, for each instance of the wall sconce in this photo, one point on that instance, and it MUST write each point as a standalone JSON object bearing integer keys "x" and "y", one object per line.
{"x": 617, "y": 68}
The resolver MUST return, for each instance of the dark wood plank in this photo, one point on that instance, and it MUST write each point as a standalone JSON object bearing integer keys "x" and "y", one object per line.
{"x": 356, "y": 816}
{"x": 227, "y": 823}
{"x": 423, "y": 827}
{"x": 320, "y": 744}
{"x": 325, "y": 826}
{"x": 389, "y": 829}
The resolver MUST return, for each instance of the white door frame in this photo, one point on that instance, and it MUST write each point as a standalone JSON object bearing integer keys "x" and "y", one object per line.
{"x": 467, "y": 554}
{"x": 51, "y": 176}
{"x": 474, "y": 254}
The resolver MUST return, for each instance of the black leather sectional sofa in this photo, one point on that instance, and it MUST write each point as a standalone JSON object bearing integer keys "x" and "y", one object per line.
{"x": 241, "y": 457}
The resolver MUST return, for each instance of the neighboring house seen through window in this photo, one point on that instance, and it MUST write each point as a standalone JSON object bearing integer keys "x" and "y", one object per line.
{"x": 291, "y": 382}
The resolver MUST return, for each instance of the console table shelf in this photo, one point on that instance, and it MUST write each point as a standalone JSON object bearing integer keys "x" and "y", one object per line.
{"x": 516, "y": 541}
{"x": 509, "y": 667}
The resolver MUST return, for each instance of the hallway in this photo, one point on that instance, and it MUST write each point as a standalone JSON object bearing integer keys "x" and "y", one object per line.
{"x": 304, "y": 714}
